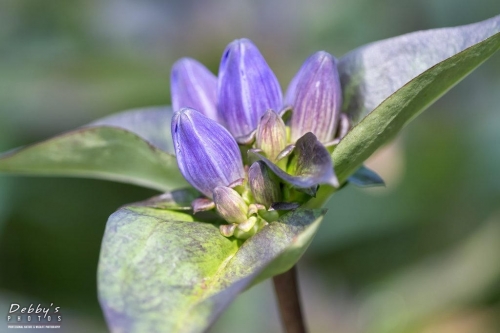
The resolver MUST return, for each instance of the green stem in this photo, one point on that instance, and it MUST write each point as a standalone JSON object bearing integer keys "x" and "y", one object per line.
{"x": 287, "y": 291}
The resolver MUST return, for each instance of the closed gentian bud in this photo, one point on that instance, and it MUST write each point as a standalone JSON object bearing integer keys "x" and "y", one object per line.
{"x": 206, "y": 152}
{"x": 264, "y": 187}
{"x": 230, "y": 205}
{"x": 193, "y": 86}
{"x": 316, "y": 98}
{"x": 246, "y": 89}
{"x": 271, "y": 134}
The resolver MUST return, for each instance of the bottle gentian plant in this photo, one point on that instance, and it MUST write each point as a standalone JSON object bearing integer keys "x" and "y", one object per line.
{"x": 244, "y": 170}
{"x": 285, "y": 166}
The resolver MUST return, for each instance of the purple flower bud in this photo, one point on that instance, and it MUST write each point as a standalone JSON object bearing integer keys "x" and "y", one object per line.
{"x": 247, "y": 88}
{"x": 316, "y": 98}
{"x": 271, "y": 134}
{"x": 206, "y": 152}
{"x": 193, "y": 86}
{"x": 230, "y": 205}
{"x": 264, "y": 187}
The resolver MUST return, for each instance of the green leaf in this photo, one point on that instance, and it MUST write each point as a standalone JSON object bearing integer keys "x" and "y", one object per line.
{"x": 164, "y": 271}
{"x": 373, "y": 72}
{"x": 97, "y": 152}
{"x": 150, "y": 123}
{"x": 395, "y": 112}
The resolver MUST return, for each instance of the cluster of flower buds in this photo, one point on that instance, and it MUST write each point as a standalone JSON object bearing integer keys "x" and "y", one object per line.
{"x": 233, "y": 145}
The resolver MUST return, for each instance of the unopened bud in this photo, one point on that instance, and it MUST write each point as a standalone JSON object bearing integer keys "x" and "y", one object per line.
{"x": 247, "y": 87}
{"x": 240, "y": 234}
{"x": 248, "y": 224}
{"x": 271, "y": 134}
{"x": 264, "y": 186}
{"x": 193, "y": 85}
{"x": 316, "y": 98}
{"x": 198, "y": 138}
{"x": 230, "y": 205}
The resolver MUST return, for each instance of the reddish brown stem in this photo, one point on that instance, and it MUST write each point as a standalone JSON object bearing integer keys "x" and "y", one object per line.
{"x": 287, "y": 291}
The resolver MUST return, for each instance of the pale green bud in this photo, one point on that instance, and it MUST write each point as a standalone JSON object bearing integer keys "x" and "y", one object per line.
{"x": 271, "y": 134}
{"x": 264, "y": 186}
{"x": 230, "y": 205}
{"x": 248, "y": 224}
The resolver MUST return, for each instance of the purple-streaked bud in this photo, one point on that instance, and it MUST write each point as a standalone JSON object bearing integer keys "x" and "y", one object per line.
{"x": 265, "y": 189}
{"x": 230, "y": 205}
{"x": 271, "y": 134}
{"x": 247, "y": 88}
{"x": 193, "y": 86}
{"x": 316, "y": 98}
{"x": 206, "y": 152}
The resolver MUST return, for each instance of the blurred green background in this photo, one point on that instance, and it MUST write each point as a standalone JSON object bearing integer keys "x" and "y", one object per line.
{"x": 421, "y": 255}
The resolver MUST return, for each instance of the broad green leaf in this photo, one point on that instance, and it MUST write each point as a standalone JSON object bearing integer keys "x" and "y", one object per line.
{"x": 165, "y": 271}
{"x": 150, "y": 123}
{"x": 395, "y": 112}
{"x": 373, "y": 72}
{"x": 97, "y": 152}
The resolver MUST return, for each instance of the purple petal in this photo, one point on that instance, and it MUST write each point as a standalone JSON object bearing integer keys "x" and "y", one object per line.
{"x": 206, "y": 152}
{"x": 247, "y": 87}
{"x": 316, "y": 98}
{"x": 193, "y": 86}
